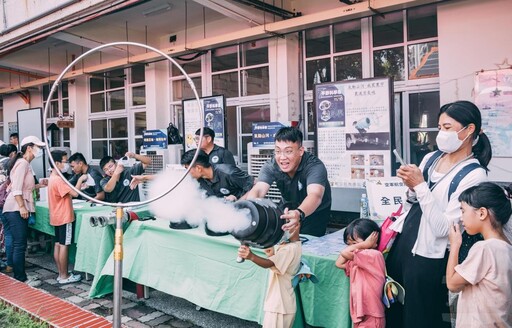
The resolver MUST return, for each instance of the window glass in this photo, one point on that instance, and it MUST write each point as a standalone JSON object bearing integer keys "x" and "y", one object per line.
{"x": 318, "y": 42}
{"x": 99, "y": 149}
{"x": 348, "y": 67}
{"x": 96, "y": 83}
{"x": 253, "y": 115}
{"x": 138, "y": 145}
{"x": 347, "y": 36}
{"x": 311, "y": 117}
{"x": 118, "y": 148}
{"x": 224, "y": 58}
{"x": 225, "y": 84}
{"x": 422, "y": 143}
{"x": 245, "y": 141}
{"x": 389, "y": 62}
{"x": 254, "y": 53}
{"x": 99, "y": 129}
{"x": 423, "y": 59}
{"x": 388, "y": 30}
{"x": 64, "y": 88}
{"x": 317, "y": 71}
{"x": 116, "y": 78}
{"x": 119, "y": 127}
{"x": 182, "y": 90}
{"x": 65, "y": 107}
{"x": 257, "y": 81}
{"x": 139, "y": 95}
{"x": 54, "y": 109}
{"x": 98, "y": 103}
{"x": 46, "y": 92}
{"x": 189, "y": 66}
{"x": 116, "y": 99}
{"x": 424, "y": 109}
{"x": 422, "y": 22}
{"x": 138, "y": 73}
{"x": 140, "y": 123}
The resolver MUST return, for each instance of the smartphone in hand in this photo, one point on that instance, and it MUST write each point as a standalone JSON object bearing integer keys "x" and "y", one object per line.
{"x": 399, "y": 158}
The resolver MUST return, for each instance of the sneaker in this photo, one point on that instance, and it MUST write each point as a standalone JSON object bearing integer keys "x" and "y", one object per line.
{"x": 33, "y": 282}
{"x": 72, "y": 278}
{"x": 8, "y": 269}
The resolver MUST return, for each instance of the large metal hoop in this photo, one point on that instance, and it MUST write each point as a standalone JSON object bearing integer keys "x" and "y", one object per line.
{"x": 55, "y": 86}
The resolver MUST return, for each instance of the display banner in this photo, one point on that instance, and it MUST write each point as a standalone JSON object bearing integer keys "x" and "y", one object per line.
{"x": 214, "y": 116}
{"x": 154, "y": 139}
{"x": 354, "y": 121}
{"x": 263, "y": 133}
{"x": 385, "y": 196}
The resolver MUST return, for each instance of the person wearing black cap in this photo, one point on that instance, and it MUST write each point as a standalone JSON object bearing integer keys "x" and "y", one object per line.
{"x": 217, "y": 154}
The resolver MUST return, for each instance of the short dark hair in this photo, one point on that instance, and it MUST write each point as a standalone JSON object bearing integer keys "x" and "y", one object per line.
{"x": 7, "y": 149}
{"x": 77, "y": 157}
{"x": 202, "y": 158}
{"x": 361, "y": 228}
{"x": 493, "y": 198}
{"x": 289, "y": 134}
{"x": 206, "y": 132}
{"x": 57, "y": 156}
{"x": 14, "y": 135}
{"x": 105, "y": 160}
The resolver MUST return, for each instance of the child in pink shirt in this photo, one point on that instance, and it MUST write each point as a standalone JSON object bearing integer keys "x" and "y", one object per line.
{"x": 365, "y": 266}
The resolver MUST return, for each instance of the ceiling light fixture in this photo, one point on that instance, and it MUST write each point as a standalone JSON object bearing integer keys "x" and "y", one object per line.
{"x": 157, "y": 10}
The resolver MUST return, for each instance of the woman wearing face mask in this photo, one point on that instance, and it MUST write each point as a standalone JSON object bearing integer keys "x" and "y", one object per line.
{"x": 19, "y": 204}
{"x": 418, "y": 257}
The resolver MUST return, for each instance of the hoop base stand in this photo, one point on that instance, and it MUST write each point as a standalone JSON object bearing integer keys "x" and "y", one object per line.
{"x": 118, "y": 268}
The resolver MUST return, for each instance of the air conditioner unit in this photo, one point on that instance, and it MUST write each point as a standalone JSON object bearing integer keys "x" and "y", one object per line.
{"x": 257, "y": 156}
{"x": 160, "y": 158}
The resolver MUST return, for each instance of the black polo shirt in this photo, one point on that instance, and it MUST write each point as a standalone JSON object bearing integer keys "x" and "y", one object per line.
{"x": 227, "y": 180}
{"x": 311, "y": 170}
{"x": 90, "y": 191}
{"x": 122, "y": 192}
{"x": 220, "y": 155}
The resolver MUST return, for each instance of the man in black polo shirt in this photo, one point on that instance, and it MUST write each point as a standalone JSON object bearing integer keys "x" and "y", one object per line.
{"x": 85, "y": 177}
{"x": 217, "y": 154}
{"x": 221, "y": 180}
{"x": 302, "y": 180}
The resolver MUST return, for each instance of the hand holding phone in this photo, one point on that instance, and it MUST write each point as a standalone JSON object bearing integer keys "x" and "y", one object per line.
{"x": 399, "y": 158}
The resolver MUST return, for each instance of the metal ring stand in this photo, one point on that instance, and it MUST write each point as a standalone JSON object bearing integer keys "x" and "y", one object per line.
{"x": 118, "y": 245}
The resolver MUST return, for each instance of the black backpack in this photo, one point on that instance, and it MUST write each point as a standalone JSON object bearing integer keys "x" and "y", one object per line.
{"x": 173, "y": 135}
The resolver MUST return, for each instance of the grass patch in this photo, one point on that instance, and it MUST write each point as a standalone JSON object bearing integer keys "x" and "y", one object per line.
{"x": 11, "y": 318}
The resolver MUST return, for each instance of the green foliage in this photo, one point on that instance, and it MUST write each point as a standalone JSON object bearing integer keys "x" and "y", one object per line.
{"x": 11, "y": 318}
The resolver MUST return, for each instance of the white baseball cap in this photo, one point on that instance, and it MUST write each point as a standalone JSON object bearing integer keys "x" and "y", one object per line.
{"x": 32, "y": 139}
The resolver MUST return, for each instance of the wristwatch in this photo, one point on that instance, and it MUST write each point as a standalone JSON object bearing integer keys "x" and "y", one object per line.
{"x": 302, "y": 215}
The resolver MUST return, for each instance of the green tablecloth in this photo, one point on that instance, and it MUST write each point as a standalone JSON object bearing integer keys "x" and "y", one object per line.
{"x": 203, "y": 270}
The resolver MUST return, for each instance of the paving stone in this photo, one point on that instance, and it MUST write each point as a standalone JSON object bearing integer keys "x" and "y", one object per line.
{"x": 150, "y": 316}
{"x": 84, "y": 295}
{"x": 83, "y": 287}
{"x": 138, "y": 311}
{"x": 91, "y": 306}
{"x": 67, "y": 286}
{"x": 51, "y": 281}
{"x": 75, "y": 299}
{"x": 103, "y": 311}
{"x": 136, "y": 324}
{"x": 62, "y": 294}
{"x": 181, "y": 324}
{"x": 74, "y": 290}
{"x": 128, "y": 305}
{"x": 159, "y": 320}
{"x": 43, "y": 273}
{"x": 107, "y": 303}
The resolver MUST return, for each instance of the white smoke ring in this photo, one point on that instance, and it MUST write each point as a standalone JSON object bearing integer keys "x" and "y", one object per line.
{"x": 54, "y": 88}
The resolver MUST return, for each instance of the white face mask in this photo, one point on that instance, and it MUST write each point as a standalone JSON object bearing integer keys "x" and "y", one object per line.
{"x": 65, "y": 168}
{"x": 37, "y": 152}
{"x": 448, "y": 141}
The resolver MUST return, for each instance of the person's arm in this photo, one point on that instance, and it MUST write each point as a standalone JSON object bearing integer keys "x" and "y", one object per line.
{"x": 137, "y": 179}
{"x": 347, "y": 254}
{"x": 79, "y": 182}
{"x": 141, "y": 158}
{"x": 245, "y": 253}
{"x": 100, "y": 195}
{"x": 308, "y": 206}
{"x": 242, "y": 182}
{"x": 454, "y": 280}
{"x": 111, "y": 184}
{"x": 17, "y": 177}
{"x": 259, "y": 190}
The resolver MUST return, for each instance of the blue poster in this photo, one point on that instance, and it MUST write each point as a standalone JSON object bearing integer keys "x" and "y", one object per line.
{"x": 154, "y": 139}
{"x": 214, "y": 115}
{"x": 331, "y": 106}
{"x": 263, "y": 133}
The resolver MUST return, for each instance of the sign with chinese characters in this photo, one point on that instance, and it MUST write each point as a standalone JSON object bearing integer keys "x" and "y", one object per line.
{"x": 385, "y": 196}
{"x": 214, "y": 112}
{"x": 354, "y": 121}
{"x": 263, "y": 133}
{"x": 154, "y": 139}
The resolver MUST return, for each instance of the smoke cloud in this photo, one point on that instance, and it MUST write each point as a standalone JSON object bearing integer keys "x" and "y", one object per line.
{"x": 188, "y": 202}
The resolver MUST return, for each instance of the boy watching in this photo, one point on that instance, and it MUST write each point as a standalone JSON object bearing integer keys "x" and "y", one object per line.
{"x": 283, "y": 261}
{"x": 61, "y": 217}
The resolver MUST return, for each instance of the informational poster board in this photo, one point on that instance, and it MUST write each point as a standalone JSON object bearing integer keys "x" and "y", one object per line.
{"x": 355, "y": 130}
{"x": 385, "y": 196}
{"x": 155, "y": 139}
{"x": 263, "y": 133}
{"x": 30, "y": 123}
{"x": 493, "y": 95}
{"x": 214, "y": 117}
